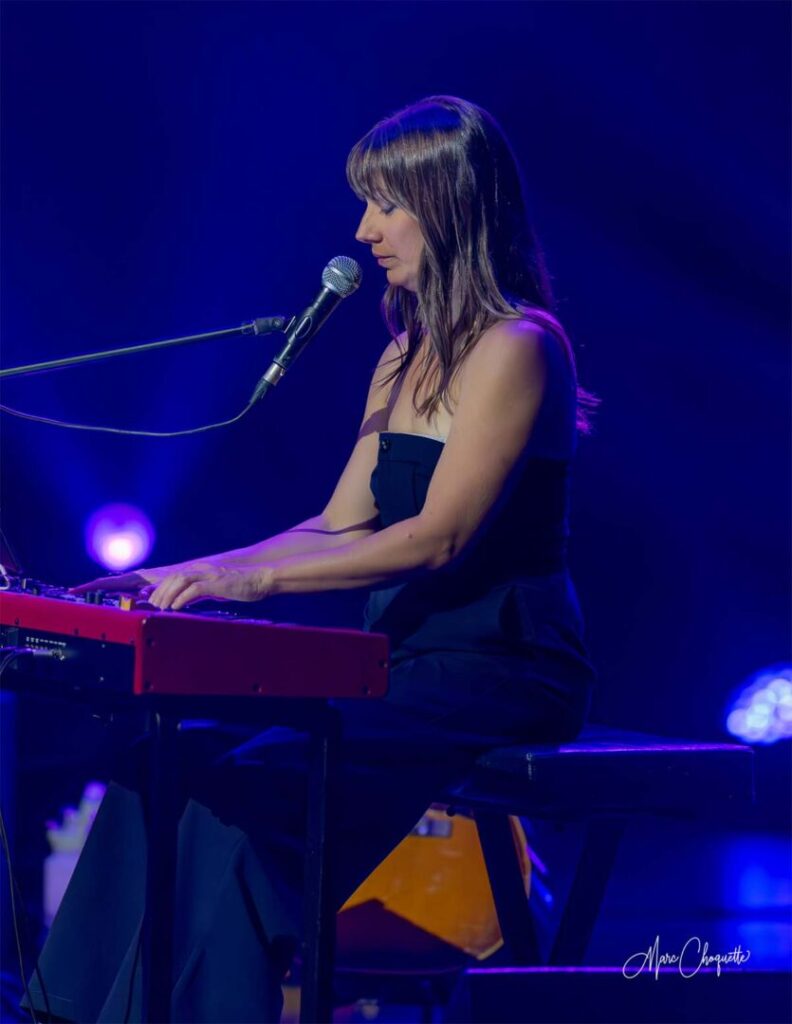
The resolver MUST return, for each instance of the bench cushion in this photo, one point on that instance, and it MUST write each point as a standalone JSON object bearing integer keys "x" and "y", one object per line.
{"x": 608, "y": 771}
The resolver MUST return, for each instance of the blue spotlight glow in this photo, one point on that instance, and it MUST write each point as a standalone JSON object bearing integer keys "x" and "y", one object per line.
{"x": 119, "y": 536}
{"x": 762, "y": 711}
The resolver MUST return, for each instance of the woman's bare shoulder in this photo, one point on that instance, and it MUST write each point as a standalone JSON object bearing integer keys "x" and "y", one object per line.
{"x": 522, "y": 350}
{"x": 524, "y": 341}
{"x": 505, "y": 348}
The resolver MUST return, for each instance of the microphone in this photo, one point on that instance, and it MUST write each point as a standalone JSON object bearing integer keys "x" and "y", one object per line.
{"x": 340, "y": 278}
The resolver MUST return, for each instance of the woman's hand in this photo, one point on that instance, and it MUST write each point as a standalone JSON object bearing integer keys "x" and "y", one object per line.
{"x": 127, "y": 582}
{"x": 143, "y": 582}
{"x": 210, "y": 581}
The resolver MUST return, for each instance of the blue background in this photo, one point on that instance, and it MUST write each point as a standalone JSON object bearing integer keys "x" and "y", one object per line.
{"x": 177, "y": 167}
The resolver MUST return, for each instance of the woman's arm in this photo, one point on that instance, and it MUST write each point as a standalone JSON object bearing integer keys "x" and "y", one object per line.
{"x": 316, "y": 534}
{"x": 502, "y": 391}
{"x": 349, "y": 515}
{"x": 501, "y": 394}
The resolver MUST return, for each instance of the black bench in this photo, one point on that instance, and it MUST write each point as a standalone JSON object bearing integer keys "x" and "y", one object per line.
{"x": 603, "y": 779}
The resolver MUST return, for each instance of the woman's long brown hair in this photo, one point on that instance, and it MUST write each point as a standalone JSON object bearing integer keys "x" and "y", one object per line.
{"x": 447, "y": 163}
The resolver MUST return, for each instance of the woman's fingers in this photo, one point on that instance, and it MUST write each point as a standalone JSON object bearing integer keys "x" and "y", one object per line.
{"x": 191, "y": 592}
{"x": 126, "y": 582}
{"x": 170, "y": 588}
{"x": 164, "y": 592}
{"x": 218, "y": 583}
{"x": 176, "y": 586}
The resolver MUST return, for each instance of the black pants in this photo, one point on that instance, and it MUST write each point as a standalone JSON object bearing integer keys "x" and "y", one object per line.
{"x": 239, "y": 873}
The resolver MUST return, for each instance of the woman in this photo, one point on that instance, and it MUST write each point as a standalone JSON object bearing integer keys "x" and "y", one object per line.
{"x": 452, "y": 508}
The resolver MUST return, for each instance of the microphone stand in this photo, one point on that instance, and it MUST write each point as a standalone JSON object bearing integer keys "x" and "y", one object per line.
{"x": 259, "y": 326}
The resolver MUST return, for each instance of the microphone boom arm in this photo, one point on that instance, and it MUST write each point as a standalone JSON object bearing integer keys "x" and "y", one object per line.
{"x": 261, "y": 325}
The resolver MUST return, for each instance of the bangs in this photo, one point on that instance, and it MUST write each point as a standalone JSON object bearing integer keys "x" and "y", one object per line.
{"x": 375, "y": 168}
{"x": 385, "y": 165}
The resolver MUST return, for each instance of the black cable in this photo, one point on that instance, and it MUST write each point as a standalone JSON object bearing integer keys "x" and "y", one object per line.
{"x": 14, "y": 918}
{"x": 131, "y": 989}
{"x": 26, "y": 937}
{"x": 13, "y": 654}
{"x": 11, "y": 996}
{"x": 118, "y": 430}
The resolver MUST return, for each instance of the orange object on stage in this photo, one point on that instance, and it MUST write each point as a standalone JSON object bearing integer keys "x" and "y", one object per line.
{"x": 429, "y": 900}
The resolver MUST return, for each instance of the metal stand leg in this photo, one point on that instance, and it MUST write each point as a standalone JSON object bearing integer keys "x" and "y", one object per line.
{"x": 588, "y": 889}
{"x": 508, "y": 888}
{"x": 320, "y": 914}
{"x": 162, "y": 808}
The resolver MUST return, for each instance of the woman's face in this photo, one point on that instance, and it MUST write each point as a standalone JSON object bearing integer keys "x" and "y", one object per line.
{"x": 396, "y": 240}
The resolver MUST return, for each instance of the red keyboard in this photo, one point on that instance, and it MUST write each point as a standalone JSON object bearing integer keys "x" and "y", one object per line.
{"x": 101, "y": 646}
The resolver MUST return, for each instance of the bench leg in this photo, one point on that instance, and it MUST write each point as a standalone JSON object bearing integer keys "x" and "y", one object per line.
{"x": 588, "y": 889}
{"x": 508, "y": 887}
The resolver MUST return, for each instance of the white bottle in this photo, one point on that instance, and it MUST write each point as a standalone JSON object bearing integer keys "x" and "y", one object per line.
{"x": 66, "y": 842}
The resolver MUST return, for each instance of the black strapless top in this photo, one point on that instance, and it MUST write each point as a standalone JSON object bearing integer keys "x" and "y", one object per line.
{"x": 480, "y": 600}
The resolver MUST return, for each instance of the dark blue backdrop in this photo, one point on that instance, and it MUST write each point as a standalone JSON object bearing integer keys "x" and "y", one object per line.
{"x": 170, "y": 167}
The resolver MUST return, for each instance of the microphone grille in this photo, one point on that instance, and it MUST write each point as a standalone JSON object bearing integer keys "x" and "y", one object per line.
{"x": 342, "y": 275}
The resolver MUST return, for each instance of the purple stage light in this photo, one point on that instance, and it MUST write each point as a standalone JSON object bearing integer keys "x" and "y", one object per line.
{"x": 119, "y": 536}
{"x": 762, "y": 711}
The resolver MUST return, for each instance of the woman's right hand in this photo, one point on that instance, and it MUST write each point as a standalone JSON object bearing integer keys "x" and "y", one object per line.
{"x": 139, "y": 581}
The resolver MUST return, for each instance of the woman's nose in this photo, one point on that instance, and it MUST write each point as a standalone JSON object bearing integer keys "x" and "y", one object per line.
{"x": 367, "y": 231}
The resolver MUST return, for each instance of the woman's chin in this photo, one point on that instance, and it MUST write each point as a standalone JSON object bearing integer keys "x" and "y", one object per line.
{"x": 398, "y": 278}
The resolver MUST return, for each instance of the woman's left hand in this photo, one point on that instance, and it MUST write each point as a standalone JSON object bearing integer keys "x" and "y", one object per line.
{"x": 214, "y": 582}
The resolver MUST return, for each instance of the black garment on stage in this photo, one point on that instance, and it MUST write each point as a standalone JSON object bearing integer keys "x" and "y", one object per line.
{"x": 485, "y": 652}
